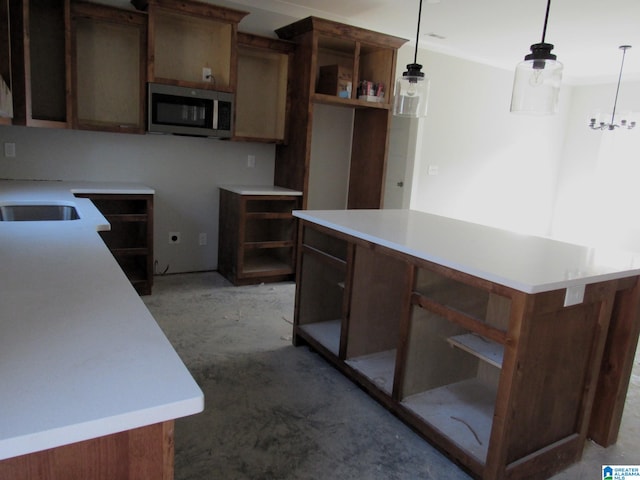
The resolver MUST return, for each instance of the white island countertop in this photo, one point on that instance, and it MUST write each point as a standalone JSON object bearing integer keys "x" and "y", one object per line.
{"x": 260, "y": 190}
{"x": 527, "y": 263}
{"x": 80, "y": 355}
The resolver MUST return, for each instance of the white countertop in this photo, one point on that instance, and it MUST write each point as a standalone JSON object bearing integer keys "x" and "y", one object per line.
{"x": 80, "y": 354}
{"x": 527, "y": 263}
{"x": 260, "y": 190}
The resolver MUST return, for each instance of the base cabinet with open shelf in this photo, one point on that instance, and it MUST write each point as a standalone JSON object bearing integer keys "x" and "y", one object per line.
{"x": 130, "y": 238}
{"x": 503, "y": 380}
{"x": 257, "y": 234}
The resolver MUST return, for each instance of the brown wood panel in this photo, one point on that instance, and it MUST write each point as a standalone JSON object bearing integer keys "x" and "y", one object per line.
{"x": 617, "y": 363}
{"x": 554, "y": 378}
{"x": 20, "y": 64}
{"x": 292, "y": 159}
{"x": 378, "y": 295}
{"x": 465, "y": 321}
{"x": 144, "y": 453}
{"x": 338, "y": 30}
{"x": 548, "y": 460}
{"x": 195, "y": 8}
{"x": 368, "y": 158}
{"x": 5, "y": 43}
{"x": 230, "y": 219}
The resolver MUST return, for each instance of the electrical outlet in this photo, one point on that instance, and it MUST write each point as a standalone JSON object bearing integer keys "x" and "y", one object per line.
{"x": 206, "y": 74}
{"x": 174, "y": 238}
{"x": 202, "y": 239}
{"x": 251, "y": 161}
{"x": 9, "y": 150}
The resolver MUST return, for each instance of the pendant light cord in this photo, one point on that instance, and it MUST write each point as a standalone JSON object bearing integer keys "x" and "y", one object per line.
{"x": 415, "y": 55}
{"x": 546, "y": 18}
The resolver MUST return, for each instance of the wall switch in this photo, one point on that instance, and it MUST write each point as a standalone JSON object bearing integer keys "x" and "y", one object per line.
{"x": 174, "y": 238}
{"x": 432, "y": 170}
{"x": 9, "y": 150}
{"x": 206, "y": 74}
{"x": 202, "y": 239}
{"x": 251, "y": 161}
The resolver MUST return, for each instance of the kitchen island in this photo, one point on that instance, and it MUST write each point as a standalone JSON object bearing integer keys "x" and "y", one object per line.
{"x": 90, "y": 384}
{"x": 506, "y": 351}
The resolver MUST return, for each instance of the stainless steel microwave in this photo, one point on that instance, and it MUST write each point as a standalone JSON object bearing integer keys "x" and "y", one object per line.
{"x": 189, "y": 111}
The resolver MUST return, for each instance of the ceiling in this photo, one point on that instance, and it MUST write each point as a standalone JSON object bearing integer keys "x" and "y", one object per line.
{"x": 586, "y": 33}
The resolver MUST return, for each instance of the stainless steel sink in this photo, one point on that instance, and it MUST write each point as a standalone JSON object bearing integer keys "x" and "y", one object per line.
{"x": 31, "y": 213}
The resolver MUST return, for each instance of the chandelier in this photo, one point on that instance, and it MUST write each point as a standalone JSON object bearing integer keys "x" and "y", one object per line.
{"x": 624, "y": 123}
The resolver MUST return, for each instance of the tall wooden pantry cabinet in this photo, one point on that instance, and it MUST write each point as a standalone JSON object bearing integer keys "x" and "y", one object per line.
{"x": 347, "y": 72}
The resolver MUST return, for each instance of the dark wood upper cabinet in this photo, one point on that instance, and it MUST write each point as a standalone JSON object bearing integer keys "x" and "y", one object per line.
{"x": 39, "y": 39}
{"x": 192, "y": 44}
{"x": 108, "y": 68}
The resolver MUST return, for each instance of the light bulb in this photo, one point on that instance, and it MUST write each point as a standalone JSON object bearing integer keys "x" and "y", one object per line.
{"x": 412, "y": 89}
{"x": 537, "y": 77}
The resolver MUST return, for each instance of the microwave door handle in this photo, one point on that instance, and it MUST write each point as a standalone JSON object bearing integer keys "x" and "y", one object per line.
{"x": 215, "y": 114}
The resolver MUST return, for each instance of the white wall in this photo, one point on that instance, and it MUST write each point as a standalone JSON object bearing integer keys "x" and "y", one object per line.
{"x": 184, "y": 171}
{"x": 494, "y": 167}
{"x": 598, "y": 190}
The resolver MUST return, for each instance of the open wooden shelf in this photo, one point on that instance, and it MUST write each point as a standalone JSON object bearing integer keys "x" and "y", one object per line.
{"x": 486, "y": 350}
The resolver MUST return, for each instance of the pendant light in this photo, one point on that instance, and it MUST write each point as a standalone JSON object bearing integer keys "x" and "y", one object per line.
{"x": 624, "y": 123}
{"x": 536, "y": 85}
{"x": 412, "y": 89}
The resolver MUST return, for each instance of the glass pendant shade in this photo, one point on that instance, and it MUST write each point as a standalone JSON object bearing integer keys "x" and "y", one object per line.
{"x": 537, "y": 81}
{"x": 412, "y": 93}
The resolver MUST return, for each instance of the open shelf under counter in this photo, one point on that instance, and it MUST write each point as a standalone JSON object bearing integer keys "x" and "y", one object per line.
{"x": 378, "y": 367}
{"x": 326, "y": 333}
{"x": 462, "y": 411}
{"x": 263, "y": 262}
{"x": 485, "y": 349}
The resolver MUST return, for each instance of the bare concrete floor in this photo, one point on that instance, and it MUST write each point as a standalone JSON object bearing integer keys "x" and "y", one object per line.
{"x": 274, "y": 411}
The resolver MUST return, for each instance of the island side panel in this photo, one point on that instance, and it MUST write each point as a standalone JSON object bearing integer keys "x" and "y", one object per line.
{"x": 145, "y": 453}
{"x": 617, "y": 363}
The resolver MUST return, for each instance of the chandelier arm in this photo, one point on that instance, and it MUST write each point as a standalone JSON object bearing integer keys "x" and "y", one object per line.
{"x": 415, "y": 55}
